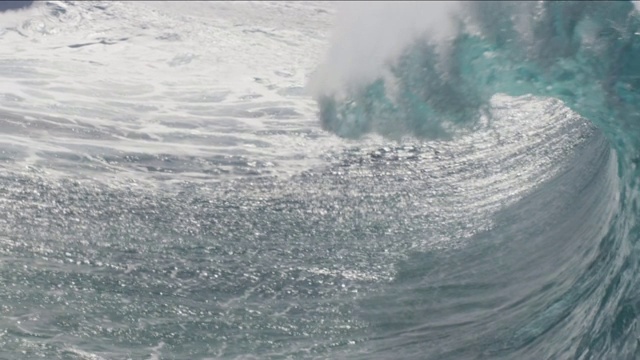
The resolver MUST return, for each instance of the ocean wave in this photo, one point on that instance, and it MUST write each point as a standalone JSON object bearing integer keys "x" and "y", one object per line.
{"x": 556, "y": 279}
{"x": 142, "y": 218}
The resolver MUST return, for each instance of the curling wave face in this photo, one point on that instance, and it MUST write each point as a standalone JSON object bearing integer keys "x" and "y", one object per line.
{"x": 585, "y": 54}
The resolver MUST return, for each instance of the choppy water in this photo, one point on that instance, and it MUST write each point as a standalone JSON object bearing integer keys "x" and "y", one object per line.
{"x": 168, "y": 191}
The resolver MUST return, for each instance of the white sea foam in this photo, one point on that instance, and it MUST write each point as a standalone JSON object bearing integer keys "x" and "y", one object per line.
{"x": 100, "y": 83}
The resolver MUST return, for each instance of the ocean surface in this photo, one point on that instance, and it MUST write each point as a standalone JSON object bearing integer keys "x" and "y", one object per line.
{"x": 312, "y": 180}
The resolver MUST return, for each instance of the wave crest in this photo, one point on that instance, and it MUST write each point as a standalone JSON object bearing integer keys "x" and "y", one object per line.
{"x": 580, "y": 52}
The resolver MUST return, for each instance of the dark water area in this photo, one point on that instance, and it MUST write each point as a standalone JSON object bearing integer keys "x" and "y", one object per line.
{"x": 14, "y": 5}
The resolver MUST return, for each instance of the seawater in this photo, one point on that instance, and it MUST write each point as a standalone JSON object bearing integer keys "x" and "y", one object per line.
{"x": 168, "y": 191}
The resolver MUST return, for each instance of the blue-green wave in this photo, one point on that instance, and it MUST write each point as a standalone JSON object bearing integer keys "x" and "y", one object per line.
{"x": 586, "y": 54}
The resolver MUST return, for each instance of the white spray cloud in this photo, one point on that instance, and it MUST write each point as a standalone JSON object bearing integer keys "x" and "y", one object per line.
{"x": 368, "y": 35}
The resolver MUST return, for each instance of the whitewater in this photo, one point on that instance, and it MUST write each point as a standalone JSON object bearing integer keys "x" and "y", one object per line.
{"x": 314, "y": 180}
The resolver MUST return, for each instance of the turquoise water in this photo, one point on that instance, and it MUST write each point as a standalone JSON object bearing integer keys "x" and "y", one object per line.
{"x": 495, "y": 218}
{"x": 583, "y": 53}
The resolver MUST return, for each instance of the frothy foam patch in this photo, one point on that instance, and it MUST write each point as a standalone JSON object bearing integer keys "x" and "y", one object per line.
{"x": 123, "y": 84}
{"x": 14, "y": 13}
